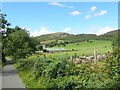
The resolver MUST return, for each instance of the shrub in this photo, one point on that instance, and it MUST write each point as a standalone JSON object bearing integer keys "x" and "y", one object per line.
{"x": 56, "y": 72}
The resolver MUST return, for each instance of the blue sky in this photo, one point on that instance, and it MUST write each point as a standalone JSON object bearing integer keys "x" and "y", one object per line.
{"x": 72, "y": 17}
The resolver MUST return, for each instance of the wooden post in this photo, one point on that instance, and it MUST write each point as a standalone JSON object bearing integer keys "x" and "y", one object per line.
{"x": 71, "y": 58}
{"x": 95, "y": 56}
{"x": 43, "y": 46}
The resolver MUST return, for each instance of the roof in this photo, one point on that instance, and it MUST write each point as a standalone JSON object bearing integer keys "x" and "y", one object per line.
{"x": 55, "y": 49}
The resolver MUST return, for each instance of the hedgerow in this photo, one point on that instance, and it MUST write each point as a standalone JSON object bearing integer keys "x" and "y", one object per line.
{"x": 58, "y": 73}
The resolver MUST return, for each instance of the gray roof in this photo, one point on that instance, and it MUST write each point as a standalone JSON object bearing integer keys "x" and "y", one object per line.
{"x": 55, "y": 49}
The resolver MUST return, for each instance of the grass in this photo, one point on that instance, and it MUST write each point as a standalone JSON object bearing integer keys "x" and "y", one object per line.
{"x": 87, "y": 48}
{"x": 48, "y": 42}
{"x": 25, "y": 75}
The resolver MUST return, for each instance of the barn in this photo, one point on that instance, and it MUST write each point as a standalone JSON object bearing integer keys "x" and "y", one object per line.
{"x": 54, "y": 50}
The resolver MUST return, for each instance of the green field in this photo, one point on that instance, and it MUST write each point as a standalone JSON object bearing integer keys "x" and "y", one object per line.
{"x": 87, "y": 48}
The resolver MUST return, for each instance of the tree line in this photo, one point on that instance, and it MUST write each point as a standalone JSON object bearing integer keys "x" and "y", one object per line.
{"x": 16, "y": 41}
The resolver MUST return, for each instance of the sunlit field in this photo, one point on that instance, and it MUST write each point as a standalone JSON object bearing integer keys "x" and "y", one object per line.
{"x": 86, "y": 48}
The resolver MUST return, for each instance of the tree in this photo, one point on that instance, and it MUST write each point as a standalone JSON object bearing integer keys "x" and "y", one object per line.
{"x": 39, "y": 47}
{"x": 19, "y": 44}
{"x": 15, "y": 41}
{"x": 3, "y": 34}
{"x": 116, "y": 46}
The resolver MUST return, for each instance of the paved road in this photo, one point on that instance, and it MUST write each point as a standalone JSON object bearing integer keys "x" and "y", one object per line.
{"x": 10, "y": 78}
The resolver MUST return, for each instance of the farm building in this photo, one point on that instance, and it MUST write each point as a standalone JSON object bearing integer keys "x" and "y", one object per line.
{"x": 54, "y": 49}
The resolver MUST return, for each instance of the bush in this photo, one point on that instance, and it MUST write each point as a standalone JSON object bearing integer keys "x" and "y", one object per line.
{"x": 56, "y": 72}
{"x": 24, "y": 64}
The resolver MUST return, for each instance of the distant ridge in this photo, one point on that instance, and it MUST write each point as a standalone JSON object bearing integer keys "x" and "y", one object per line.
{"x": 78, "y": 37}
{"x": 109, "y": 35}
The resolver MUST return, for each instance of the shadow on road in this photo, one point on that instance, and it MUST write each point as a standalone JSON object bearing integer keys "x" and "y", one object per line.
{"x": 9, "y": 72}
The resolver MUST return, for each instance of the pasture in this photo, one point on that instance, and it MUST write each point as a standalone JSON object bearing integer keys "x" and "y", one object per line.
{"x": 86, "y": 48}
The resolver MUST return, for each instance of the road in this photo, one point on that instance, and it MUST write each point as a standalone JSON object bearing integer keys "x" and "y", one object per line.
{"x": 10, "y": 78}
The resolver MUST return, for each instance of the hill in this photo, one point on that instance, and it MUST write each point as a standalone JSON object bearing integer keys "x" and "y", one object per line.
{"x": 53, "y": 36}
{"x": 79, "y": 37}
{"x": 109, "y": 35}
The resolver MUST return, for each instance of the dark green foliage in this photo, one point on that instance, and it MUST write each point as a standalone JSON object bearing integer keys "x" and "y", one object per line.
{"x": 16, "y": 42}
{"x": 39, "y": 47}
{"x": 39, "y": 67}
{"x": 3, "y": 34}
{"x": 19, "y": 44}
{"x": 3, "y": 58}
{"x": 32, "y": 44}
{"x": 113, "y": 65}
{"x": 116, "y": 51}
{"x": 53, "y": 43}
{"x": 4, "y": 22}
{"x": 57, "y": 72}
{"x": 25, "y": 64}
{"x": 16, "y": 45}
{"x": 116, "y": 45}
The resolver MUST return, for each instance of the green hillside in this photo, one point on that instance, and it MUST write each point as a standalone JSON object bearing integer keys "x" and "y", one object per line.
{"x": 77, "y": 38}
{"x": 80, "y": 37}
{"x": 53, "y": 36}
{"x": 109, "y": 36}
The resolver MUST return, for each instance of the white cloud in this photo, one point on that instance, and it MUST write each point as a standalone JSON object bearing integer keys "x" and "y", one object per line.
{"x": 57, "y": 4}
{"x": 67, "y": 29}
{"x": 60, "y": 5}
{"x": 105, "y": 30}
{"x": 25, "y": 28}
{"x": 43, "y": 30}
{"x": 103, "y": 12}
{"x": 93, "y": 8}
{"x": 75, "y": 13}
{"x": 87, "y": 16}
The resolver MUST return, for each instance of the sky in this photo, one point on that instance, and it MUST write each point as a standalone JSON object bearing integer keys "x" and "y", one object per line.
{"x": 72, "y": 17}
